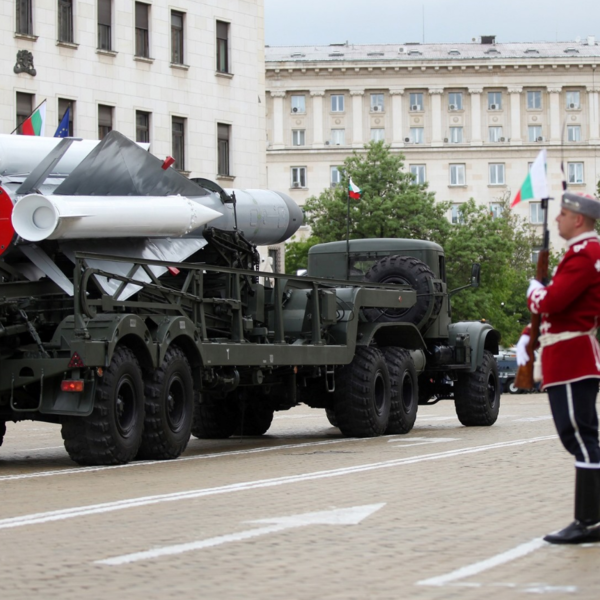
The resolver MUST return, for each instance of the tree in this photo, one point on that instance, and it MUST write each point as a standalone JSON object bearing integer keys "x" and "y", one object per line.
{"x": 296, "y": 254}
{"x": 391, "y": 204}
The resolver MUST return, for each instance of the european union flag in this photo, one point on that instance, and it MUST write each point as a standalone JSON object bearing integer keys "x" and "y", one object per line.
{"x": 63, "y": 126}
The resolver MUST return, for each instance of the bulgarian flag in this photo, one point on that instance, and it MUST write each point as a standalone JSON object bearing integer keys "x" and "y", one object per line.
{"x": 535, "y": 186}
{"x": 353, "y": 190}
{"x": 36, "y": 122}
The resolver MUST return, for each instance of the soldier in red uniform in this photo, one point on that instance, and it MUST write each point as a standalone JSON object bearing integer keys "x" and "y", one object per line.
{"x": 570, "y": 357}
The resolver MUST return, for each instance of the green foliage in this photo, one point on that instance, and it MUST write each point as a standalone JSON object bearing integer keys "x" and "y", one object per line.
{"x": 502, "y": 245}
{"x": 391, "y": 205}
{"x": 296, "y": 254}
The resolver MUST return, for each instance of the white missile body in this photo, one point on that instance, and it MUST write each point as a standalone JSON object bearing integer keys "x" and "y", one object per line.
{"x": 36, "y": 217}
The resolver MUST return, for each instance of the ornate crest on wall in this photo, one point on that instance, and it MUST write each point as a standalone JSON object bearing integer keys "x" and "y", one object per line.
{"x": 25, "y": 63}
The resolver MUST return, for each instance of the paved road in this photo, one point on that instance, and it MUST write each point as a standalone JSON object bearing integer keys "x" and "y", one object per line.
{"x": 301, "y": 513}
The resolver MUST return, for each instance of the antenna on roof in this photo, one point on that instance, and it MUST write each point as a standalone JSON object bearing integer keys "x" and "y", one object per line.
{"x": 423, "y": 6}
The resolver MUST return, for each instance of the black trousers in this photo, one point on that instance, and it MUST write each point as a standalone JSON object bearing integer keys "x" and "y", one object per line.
{"x": 574, "y": 411}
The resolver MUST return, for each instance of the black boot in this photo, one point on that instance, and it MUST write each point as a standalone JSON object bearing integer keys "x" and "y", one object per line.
{"x": 586, "y": 526}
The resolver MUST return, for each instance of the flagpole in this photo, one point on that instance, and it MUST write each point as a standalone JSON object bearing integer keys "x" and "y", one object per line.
{"x": 348, "y": 234}
{"x": 17, "y": 127}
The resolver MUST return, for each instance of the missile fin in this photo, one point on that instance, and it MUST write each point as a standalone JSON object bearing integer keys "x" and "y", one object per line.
{"x": 43, "y": 262}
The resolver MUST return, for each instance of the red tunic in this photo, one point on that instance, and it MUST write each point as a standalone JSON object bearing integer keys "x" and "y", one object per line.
{"x": 571, "y": 302}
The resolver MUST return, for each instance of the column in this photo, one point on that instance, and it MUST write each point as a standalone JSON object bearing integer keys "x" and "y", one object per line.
{"x": 592, "y": 93}
{"x": 278, "y": 119}
{"x": 317, "y": 109}
{"x": 475, "y": 115}
{"x": 554, "y": 92}
{"x": 436, "y": 116}
{"x": 515, "y": 115}
{"x": 397, "y": 133}
{"x": 357, "y": 118}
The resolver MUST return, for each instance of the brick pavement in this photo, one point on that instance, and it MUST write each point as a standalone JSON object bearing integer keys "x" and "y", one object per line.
{"x": 441, "y": 513}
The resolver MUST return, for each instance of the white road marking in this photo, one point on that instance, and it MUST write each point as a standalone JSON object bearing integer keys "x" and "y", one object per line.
{"x": 533, "y": 419}
{"x": 341, "y": 516}
{"x": 484, "y": 565}
{"x": 79, "y": 511}
{"x": 420, "y": 441}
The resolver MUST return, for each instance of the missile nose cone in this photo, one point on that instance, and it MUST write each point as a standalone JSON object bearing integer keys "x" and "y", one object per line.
{"x": 296, "y": 217}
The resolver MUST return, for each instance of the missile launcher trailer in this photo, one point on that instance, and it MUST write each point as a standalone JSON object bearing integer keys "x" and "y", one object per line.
{"x": 214, "y": 347}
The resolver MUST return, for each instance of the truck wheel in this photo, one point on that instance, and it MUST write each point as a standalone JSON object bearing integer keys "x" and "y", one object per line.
{"x": 2, "y": 431}
{"x": 363, "y": 394}
{"x": 513, "y": 389}
{"x": 477, "y": 395}
{"x": 214, "y": 418}
{"x": 331, "y": 416}
{"x": 112, "y": 434}
{"x": 404, "y": 387}
{"x": 169, "y": 408}
{"x": 255, "y": 415}
{"x": 404, "y": 270}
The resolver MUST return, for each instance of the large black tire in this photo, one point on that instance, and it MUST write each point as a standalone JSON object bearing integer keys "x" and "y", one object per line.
{"x": 255, "y": 415}
{"x": 214, "y": 418}
{"x": 404, "y": 270}
{"x": 169, "y": 408}
{"x": 405, "y": 390}
{"x": 363, "y": 394}
{"x": 2, "y": 431}
{"x": 477, "y": 395}
{"x": 112, "y": 434}
{"x": 331, "y": 416}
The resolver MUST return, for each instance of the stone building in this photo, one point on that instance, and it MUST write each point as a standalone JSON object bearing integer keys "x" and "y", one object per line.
{"x": 188, "y": 77}
{"x": 469, "y": 118}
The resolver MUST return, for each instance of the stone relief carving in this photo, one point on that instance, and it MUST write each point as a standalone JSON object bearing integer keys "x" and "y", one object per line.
{"x": 24, "y": 63}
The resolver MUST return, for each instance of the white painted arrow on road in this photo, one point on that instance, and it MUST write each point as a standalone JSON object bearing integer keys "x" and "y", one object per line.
{"x": 341, "y": 516}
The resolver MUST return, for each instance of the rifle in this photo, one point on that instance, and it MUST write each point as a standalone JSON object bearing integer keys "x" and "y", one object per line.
{"x": 524, "y": 376}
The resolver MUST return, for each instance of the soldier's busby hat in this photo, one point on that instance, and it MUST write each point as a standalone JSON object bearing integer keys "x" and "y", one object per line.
{"x": 583, "y": 204}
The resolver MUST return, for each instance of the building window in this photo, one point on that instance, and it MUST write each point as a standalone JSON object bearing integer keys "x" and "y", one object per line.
{"x": 178, "y": 142}
{"x": 456, "y": 135}
{"x": 495, "y": 210}
{"x": 142, "y": 126}
{"x": 494, "y": 100}
{"x": 536, "y": 213}
{"x": 105, "y": 120}
{"x": 574, "y": 133}
{"x": 534, "y": 133}
{"x": 416, "y": 101}
{"x": 298, "y": 104}
{"x": 24, "y": 14}
{"x": 575, "y": 172}
{"x": 142, "y": 30}
{"x": 24, "y": 108}
{"x": 337, "y": 103}
{"x": 222, "y": 47}
{"x": 534, "y": 99}
{"x": 338, "y": 137}
{"x": 455, "y": 101}
{"x": 177, "y": 37}
{"x": 104, "y": 24}
{"x": 495, "y": 134}
{"x": 63, "y": 105}
{"x": 298, "y": 137}
{"x": 335, "y": 177}
{"x": 457, "y": 174}
{"x": 497, "y": 174}
{"x": 224, "y": 137}
{"x": 573, "y": 100}
{"x": 376, "y": 102}
{"x": 418, "y": 171}
{"x": 65, "y": 21}
{"x": 416, "y": 135}
{"x": 456, "y": 214}
{"x": 298, "y": 177}
{"x": 378, "y": 134}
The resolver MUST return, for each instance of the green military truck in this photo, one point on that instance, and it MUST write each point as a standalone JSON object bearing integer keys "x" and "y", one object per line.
{"x": 214, "y": 347}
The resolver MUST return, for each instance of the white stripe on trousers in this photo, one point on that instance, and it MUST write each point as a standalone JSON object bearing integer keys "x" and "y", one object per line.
{"x": 578, "y": 437}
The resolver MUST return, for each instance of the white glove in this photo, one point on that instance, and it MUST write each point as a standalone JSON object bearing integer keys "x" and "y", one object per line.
{"x": 522, "y": 355}
{"x": 534, "y": 284}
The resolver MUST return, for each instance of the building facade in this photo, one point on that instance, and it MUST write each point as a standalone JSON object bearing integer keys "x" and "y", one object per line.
{"x": 469, "y": 118}
{"x": 187, "y": 77}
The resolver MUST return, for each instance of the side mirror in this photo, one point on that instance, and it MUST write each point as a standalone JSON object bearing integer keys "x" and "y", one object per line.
{"x": 475, "y": 275}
